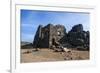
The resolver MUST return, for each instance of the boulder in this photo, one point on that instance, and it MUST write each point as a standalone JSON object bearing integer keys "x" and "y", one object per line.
{"x": 78, "y": 37}
{"x": 77, "y": 28}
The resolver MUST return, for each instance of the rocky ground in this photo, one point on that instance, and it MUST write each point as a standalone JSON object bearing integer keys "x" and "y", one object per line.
{"x": 44, "y": 55}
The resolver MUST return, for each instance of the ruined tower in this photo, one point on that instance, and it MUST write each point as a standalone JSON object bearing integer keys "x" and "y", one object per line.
{"x": 47, "y": 35}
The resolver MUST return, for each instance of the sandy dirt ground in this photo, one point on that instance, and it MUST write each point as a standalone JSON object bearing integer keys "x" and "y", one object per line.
{"x": 44, "y": 55}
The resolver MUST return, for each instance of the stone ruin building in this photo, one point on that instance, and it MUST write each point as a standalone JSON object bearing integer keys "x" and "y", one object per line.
{"x": 50, "y": 35}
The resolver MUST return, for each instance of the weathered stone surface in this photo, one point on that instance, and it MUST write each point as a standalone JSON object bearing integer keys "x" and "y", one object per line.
{"x": 77, "y": 37}
{"x": 77, "y": 28}
{"x": 37, "y": 39}
{"x": 55, "y": 35}
{"x": 49, "y": 35}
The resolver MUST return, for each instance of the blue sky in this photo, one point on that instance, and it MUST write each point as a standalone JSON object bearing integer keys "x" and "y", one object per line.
{"x": 31, "y": 19}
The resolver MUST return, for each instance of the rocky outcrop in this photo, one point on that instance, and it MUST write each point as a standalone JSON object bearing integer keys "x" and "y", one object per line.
{"x": 79, "y": 38}
{"x": 77, "y": 28}
{"x": 55, "y": 35}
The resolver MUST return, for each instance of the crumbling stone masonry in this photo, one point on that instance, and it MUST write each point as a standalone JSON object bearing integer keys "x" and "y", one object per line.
{"x": 46, "y": 36}
{"x": 50, "y": 35}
